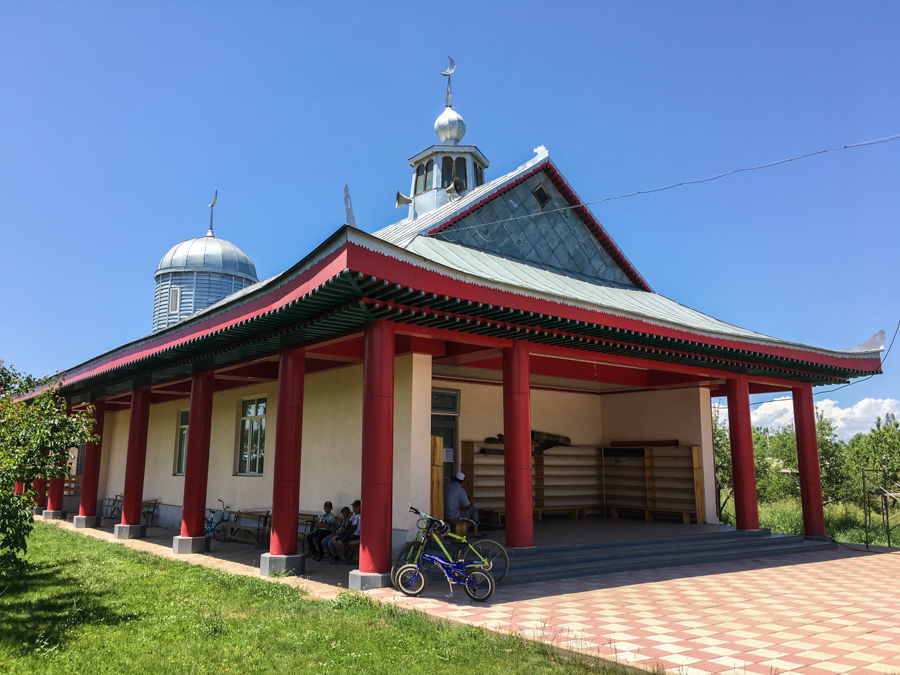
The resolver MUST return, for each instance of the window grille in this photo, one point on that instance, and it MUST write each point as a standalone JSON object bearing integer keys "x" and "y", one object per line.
{"x": 181, "y": 449}
{"x": 251, "y": 451}
{"x": 446, "y": 171}
{"x": 460, "y": 170}
{"x": 420, "y": 178}
{"x": 429, "y": 174}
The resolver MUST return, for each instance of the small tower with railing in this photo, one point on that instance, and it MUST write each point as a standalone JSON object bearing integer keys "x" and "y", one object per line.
{"x": 443, "y": 172}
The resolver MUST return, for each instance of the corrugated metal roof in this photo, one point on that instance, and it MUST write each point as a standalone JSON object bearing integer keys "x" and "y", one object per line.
{"x": 567, "y": 288}
{"x": 403, "y": 232}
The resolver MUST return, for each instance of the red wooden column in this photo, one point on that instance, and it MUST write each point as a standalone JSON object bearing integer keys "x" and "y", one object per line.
{"x": 517, "y": 445}
{"x": 741, "y": 434}
{"x": 377, "y": 449}
{"x": 20, "y": 487}
{"x": 55, "y": 498}
{"x": 90, "y": 483}
{"x": 288, "y": 447}
{"x": 808, "y": 461}
{"x": 135, "y": 463}
{"x": 40, "y": 486}
{"x": 196, "y": 467}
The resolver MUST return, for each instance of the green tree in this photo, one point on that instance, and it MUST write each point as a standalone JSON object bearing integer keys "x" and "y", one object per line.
{"x": 722, "y": 456}
{"x": 35, "y": 440}
{"x": 878, "y": 449}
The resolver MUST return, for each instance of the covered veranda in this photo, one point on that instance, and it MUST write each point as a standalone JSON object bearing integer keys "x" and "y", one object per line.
{"x": 360, "y": 301}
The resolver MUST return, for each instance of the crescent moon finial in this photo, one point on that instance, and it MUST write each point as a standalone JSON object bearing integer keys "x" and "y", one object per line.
{"x": 215, "y": 199}
{"x": 449, "y": 102}
{"x": 451, "y": 68}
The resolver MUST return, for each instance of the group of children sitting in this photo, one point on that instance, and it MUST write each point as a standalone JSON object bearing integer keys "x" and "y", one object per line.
{"x": 332, "y": 535}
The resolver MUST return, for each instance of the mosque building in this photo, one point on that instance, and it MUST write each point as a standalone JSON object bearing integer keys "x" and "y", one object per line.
{"x": 497, "y": 329}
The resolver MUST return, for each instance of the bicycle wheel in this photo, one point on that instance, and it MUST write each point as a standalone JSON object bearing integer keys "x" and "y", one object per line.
{"x": 483, "y": 588}
{"x": 406, "y": 556}
{"x": 219, "y": 532}
{"x": 493, "y": 553}
{"x": 411, "y": 580}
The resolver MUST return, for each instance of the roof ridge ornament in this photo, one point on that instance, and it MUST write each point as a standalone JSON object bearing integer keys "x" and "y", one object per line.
{"x": 450, "y": 126}
{"x": 215, "y": 199}
{"x": 348, "y": 208}
{"x": 447, "y": 73}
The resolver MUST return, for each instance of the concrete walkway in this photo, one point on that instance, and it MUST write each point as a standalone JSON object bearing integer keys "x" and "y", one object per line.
{"x": 826, "y": 612}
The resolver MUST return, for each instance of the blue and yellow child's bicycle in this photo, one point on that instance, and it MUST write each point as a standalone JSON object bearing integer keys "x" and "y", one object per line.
{"x": 411, "y": 579}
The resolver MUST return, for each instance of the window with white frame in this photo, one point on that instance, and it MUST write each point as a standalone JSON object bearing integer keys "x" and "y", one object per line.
{"x": 174, "y": 297}
{"x": 181, "y": 447}
{"x": 252, "y": 448}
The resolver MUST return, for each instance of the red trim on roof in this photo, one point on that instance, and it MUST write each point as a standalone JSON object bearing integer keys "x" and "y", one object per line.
{"x": 578, "y": 207}
{"x": 295, "y": 288}
{"x": 397, "y": 271}
{"x": 359, "y": 258}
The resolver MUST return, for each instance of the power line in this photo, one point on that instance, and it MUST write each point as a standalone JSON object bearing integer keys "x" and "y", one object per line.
{"x": 697, "y": 181}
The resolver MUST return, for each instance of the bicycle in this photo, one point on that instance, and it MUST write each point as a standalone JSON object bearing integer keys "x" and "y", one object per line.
{"x": 412, "y": 580}
{"x": 217, "y": 527}
{"x": 485, "y": 553}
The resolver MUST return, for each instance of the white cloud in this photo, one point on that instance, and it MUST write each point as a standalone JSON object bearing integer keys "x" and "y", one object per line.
{"x": 860, "y": 417}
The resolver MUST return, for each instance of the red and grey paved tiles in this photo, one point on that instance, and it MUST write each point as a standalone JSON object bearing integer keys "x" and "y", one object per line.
{"x": 812, "y": 613}
{"x": 815, "y": 613}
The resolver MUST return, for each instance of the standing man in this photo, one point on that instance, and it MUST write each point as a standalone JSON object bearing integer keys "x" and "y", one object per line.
{"x": 457, "y": 506}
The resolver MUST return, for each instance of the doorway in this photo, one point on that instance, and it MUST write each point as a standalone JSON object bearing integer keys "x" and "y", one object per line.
{"x": 447, "y": 428}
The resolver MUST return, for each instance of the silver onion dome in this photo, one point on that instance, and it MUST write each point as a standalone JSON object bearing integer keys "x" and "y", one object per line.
{"x": 450, "y": 127}
{"x": 208, "y": 254}
{"x": 198, "y": 273}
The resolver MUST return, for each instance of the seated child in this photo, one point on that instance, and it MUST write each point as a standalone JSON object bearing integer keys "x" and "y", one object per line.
{"x": 324, "y": 527}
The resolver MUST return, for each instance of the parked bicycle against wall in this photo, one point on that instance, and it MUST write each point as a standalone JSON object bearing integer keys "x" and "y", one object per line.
{"x": 484, "y": 553}
{"x": 215, "y": 526}
{"x": 412, "y": 580}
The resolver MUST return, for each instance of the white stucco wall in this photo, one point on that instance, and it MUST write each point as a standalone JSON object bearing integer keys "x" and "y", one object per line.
{"x": 682, "y": 414}
{"x": 412, "y": 442}
{"x": 332, "y": 438}
{"x": 112, "y": 457}
{"x": 571, "y": 414}
{"x": 331, "y": 452}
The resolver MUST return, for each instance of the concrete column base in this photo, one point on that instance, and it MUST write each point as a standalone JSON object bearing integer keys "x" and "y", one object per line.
{"x": 362, "y": 581}
{"x": 130, "y": 531}
{"x": 54, "y": 515}
{"x": 185, "y": 545}
{"x": 295, "y": 565}
{"x": 85, "y": 521}
{"x": 38, "y": 510}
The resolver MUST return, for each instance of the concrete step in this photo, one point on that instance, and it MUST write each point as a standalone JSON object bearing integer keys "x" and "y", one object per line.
{"x": 565, "y": 566}
{"x": 633, "y": 544}
{"x": 660, "y": 549}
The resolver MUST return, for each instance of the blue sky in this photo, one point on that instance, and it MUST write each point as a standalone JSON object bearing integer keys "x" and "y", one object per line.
{"x": 118, "y": 120}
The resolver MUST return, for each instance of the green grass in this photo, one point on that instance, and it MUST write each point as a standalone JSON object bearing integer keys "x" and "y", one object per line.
{"x": 844, "y": 522}
{"x": 86, "y": 606}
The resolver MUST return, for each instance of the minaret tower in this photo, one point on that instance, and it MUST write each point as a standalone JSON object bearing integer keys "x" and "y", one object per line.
{"x": 444, "y": 172}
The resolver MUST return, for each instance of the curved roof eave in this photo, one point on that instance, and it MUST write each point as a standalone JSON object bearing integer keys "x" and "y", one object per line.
{"x": 335, "y": 252}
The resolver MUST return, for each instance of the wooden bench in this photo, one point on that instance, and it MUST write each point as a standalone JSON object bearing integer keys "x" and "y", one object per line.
{"x": 575, "y": 512}
{"x": 72, "y": 485}
{"x": 255, "y": 526}
{"x": 148, "y": 510}
{"x": 112, "y": 507}
{"x": 458, "y": 527}
{"x": 648, "y": 513}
